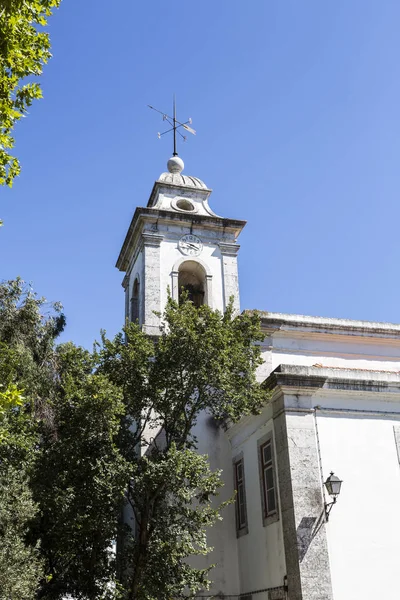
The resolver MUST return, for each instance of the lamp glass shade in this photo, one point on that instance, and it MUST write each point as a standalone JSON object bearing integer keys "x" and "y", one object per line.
{"x": 333, "y": 485}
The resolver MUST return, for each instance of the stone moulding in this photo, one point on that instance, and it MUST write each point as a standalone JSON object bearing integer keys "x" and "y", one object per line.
{"x": 282, "y": 322}
{"x": 333, "y": 378}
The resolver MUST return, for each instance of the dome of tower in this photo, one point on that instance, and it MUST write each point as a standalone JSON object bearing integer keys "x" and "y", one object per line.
{"x": 174, "y": 175}
{"x": 179, "y": 179}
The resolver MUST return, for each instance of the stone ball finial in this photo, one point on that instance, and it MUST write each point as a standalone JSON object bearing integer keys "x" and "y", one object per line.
{"x": 175, "y": 164}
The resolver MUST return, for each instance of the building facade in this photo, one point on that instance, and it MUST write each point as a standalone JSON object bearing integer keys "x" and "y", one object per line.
{"x": 335, "y": 406}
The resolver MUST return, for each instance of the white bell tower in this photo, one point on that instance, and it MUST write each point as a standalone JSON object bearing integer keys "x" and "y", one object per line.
{"x": 178, "y": 241}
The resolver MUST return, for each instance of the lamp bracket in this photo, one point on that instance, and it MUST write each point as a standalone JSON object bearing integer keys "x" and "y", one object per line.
{"x": 328, "y": 508}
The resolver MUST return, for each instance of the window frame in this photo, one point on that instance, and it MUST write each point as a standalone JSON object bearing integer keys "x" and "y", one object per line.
{"x": 134, "y": 308}
{"x": 268, "y": 516}
{"x": 241, "y": 528}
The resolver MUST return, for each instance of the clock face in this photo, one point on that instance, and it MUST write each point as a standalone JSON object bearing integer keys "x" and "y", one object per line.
{"x": 190, "y": 245}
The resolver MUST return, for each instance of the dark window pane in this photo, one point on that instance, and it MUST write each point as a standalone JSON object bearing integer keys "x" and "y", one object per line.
{"x": 240, "y": 498}
{"x": 242, "y": 516}
{"x": 271, "y": 506}
{"x": 267, "y": 453}
{"x": 240, "y": 506}
{"x": 135, "y": 301}
{"x": 241, "y": 494}
{"x": 134, "y": 309}
{"x": 269, "y": 478}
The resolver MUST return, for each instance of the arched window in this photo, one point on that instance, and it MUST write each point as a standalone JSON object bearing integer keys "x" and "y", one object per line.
{"x": 135, "y": 301}
{"x": 192, "y": 278}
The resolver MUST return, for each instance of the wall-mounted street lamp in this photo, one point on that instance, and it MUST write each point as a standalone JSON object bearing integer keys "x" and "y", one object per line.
{"x": 333, "y": 485}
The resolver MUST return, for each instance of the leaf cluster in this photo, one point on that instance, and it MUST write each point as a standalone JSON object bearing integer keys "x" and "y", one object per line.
{"x": 24, "y": 49}
{"x": 21, "y": 568}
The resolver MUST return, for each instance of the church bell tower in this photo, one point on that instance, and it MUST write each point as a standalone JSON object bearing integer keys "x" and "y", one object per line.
{"x": 176, "y": 242}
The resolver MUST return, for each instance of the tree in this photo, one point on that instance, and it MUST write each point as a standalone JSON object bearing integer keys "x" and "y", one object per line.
{"x": 20, "y": 565}
{"x": 62, "y": 478}
{"x": 25, "y": 336}
{"x": 24, "y": 49}
{"x": 79, "y": 480}
{"x": 88, "y": 433}
{"x": 202, "y": 361}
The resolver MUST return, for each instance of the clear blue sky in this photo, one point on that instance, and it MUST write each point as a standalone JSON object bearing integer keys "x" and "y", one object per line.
{"x": 296, "y": 105}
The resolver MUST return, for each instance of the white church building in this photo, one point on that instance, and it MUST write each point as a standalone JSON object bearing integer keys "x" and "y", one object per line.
{"x": 335, "y": 407}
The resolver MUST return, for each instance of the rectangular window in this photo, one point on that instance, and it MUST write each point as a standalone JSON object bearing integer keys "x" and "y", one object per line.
{"x": 241, "y": 513}
{"x": 268, "y": 479}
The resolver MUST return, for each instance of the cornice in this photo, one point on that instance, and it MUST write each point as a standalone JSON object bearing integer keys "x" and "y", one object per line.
{"x": 307, "y": 380}
{"x": 125, "y": 281}
{"x": 301, "y": 381}
{"x": 152, "y": 215}
{"x": 228, "y": 249}
{"x": 297, "y": 325}
{"x": 151, "y": 238}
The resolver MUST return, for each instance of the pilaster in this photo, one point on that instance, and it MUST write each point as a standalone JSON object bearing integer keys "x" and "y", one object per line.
{"x": 151, "y": 281}
{"x": 230, "y": 273}
{"x": 302, "y": 506}
{"x": 125, "y": 285}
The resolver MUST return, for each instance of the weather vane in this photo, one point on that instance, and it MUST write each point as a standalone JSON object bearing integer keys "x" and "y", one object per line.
{"x": 175, "y": 125}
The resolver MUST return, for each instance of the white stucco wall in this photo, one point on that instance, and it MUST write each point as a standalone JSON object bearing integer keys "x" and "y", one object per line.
{"x": 364, "y": 527}
{"x": 261, "y": 551}
{"x": 340, "y": 351}
{"x": 254, "y": 561}
{"x": 222, "y": 536}
{"x": 363, "y": 531}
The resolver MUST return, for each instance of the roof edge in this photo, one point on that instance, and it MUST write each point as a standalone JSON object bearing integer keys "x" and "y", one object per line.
{"x": 310, "y": 379}
{"x": 292, "y": 322}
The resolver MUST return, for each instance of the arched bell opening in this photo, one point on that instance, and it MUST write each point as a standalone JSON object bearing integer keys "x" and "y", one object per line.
{"x": 192, "y": 279}
{"x": 135, "y": 301}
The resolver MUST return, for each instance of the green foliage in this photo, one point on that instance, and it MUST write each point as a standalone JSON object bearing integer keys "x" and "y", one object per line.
{"x": 85, "y": 436}
{"x": 58, "y": 423}
{"x": 203, "y": 361}
{"x": 24, "y": 49}
{"x": 11, "y": 398}
{"x": 25, "y": 334}
{"x": 80, "y": 479}
{"x": 28, "y": 323}
{"x": 20, "y": 565}
{"x": 170, "y": 493}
